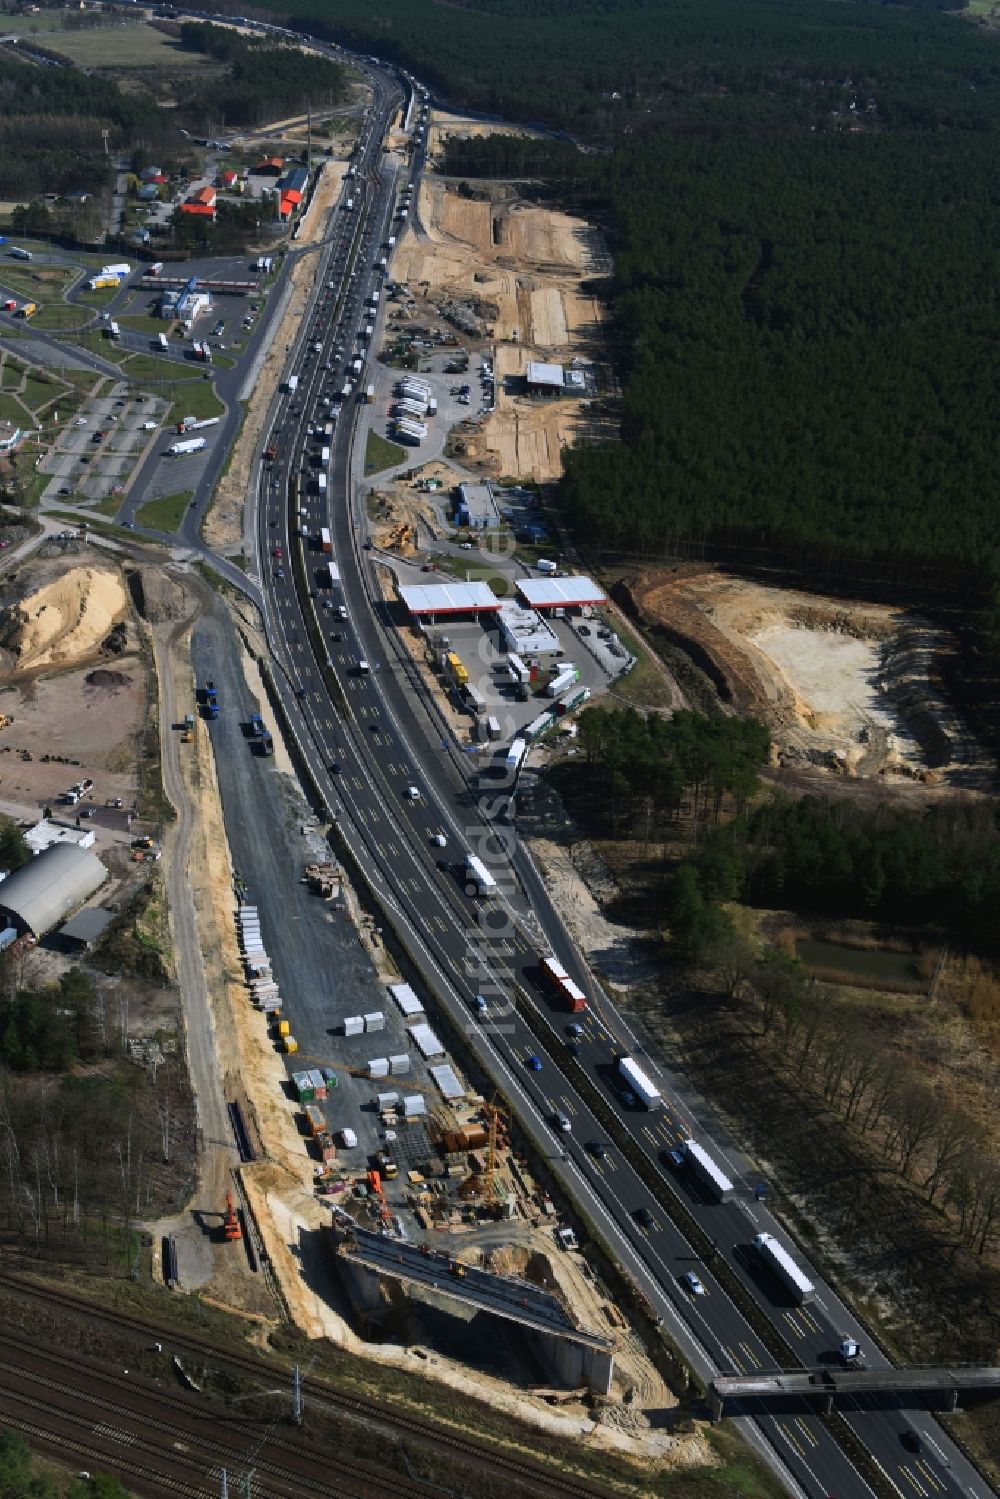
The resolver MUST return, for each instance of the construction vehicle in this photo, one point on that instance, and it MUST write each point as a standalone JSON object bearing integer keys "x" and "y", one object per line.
{"x": 231, "y": 1224}
{"x": 5, "y": 720}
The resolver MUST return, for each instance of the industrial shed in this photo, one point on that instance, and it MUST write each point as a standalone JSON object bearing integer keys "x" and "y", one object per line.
{"x": 42, "y": 894}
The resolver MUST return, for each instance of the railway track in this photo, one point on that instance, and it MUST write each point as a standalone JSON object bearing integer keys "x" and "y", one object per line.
{"x": 399, "y": 1424}
{"x": 130, "y": 1422}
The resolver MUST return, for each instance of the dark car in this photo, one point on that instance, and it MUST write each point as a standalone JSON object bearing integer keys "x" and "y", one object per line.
{"x": 643, "y": 1217}
{"x": 598, "y": 1149}
{"x": 335, "y": 767}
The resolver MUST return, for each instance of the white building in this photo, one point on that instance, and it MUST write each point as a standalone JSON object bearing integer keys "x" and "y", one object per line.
{"x": 526, "y": 633}
{"x": 45, "y": 833}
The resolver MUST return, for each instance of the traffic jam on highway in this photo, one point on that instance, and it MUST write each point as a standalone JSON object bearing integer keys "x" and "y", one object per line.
{"x": 684, "y": 1210}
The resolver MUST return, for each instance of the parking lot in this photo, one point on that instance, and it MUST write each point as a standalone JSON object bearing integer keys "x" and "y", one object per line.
{"x": 96, "y": 456}
{"x": 484, "y": 655}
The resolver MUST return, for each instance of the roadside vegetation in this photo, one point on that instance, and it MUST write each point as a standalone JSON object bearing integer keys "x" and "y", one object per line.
{"x": 23, "y": 1475}
{"x": 380, "y": 454}
{"x": 165, "y": 513}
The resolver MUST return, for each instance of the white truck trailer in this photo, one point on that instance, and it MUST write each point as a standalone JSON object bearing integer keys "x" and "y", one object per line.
{"x": 515, "y": 754}
{"x": 784, "y": 1267}
{"x": 478, "y": 880}
{"x": 707, "y": 1172}
{"x": 639, "y": 1083}
{"x": 188, "y": 445}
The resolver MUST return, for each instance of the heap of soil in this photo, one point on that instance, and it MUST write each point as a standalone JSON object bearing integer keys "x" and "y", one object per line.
{"x": 104, "y": 678}
{"x": 66, "y": 621}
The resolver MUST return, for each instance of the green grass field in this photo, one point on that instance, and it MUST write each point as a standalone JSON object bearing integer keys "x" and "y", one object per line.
{"x": 380, "y": 454}
{"x": 99, "y": 298}
{"x": 37, "y": 285}
{"x": 38, "y": 392}
{"x": 11, "y": 372}
{"x": 475, "y": 572}
{"x": 109, "y": 48}
{"x": 166, "y": 513}
{"x": 11, "y": 410}
{"x": 94, "y": 341}
{"x": 109, "y": 506}
{"x": 143, "y": 322}
{"x": 192, "y": 398}
{"x": 61, "y": 317}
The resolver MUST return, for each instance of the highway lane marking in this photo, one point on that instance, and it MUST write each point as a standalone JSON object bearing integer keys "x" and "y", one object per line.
{"x": 807, "y": 1434}
{"x": 734, "y": 1360}
{"x": 749, "y": 1353}
{"x": 886, "y": 1476}
{"x": 931, "y": 1477}
{"x": 913, "y": 1480}
{"x": 790, "y": 1438}
{"x": 796, "y": 1329}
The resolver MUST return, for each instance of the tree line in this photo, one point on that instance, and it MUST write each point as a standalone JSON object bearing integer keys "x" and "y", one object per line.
{"x": 263, "y": 81}
{"x": 806, "y": 327}
{"x": 938, "y": 868}
{"x": 88, "y": 1138}
{"x": 647, "y": 766}
{"x": 694, "y": 779}
{"x": 601, "y": 69}
{"x": 21, "y": 1477}
{"x": 919, "y": 1133}
{"x": 50, "y": 128}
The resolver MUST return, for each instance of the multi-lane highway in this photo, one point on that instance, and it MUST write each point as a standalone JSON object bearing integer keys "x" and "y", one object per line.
{"x": 367, "y": 735}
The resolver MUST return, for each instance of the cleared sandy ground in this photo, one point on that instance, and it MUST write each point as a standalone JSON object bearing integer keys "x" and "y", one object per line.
{"x": 443, "y": 123}
{"x": 64, "y": 621}
{"x": 70, "y": 700}
{"x": 526, "y": 269}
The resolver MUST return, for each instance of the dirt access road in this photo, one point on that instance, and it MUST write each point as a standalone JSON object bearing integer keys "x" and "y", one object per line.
{"x": 217, "y": 1156}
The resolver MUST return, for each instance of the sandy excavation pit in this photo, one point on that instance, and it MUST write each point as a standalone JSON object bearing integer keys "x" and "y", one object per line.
{"x": 846, "y": 685}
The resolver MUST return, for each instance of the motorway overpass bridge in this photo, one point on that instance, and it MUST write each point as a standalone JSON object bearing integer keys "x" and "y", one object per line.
{"x": 574, "y": 1355}
{"x": 938, "y": 1389}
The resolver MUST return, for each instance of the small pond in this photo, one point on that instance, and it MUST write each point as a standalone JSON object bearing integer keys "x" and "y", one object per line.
{"x": 869, "y": 965}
